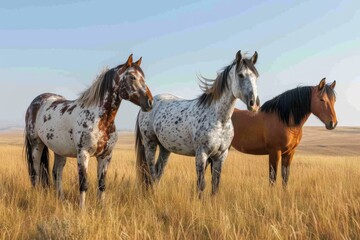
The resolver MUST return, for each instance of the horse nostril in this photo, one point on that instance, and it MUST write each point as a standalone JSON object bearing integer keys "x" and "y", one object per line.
{"x": 251, "y": 103}
{"x": 149, "y": 102}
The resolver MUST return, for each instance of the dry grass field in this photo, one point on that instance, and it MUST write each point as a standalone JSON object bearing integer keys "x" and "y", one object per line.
{"x": 322, "y": 200}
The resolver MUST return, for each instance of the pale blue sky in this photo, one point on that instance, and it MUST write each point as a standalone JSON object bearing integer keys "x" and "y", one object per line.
{"x": 61, "y": 46}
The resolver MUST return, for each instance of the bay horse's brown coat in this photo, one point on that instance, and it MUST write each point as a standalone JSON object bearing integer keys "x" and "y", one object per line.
{"x": 265, "y": 133}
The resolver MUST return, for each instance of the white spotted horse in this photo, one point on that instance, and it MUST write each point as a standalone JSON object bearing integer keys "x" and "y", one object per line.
{"x": 81, "y": 128}
{"x": 200, "y": 127}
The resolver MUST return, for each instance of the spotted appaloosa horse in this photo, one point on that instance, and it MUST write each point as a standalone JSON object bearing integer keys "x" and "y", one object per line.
{"x": 82, "y": 128}
{"x": 276, "y": 130}
{"x": 200, "y": 127}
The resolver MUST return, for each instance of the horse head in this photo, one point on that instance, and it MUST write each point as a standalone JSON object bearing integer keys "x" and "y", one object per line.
{"x": 133, "y": 86}
{"x": 322, "y": 103}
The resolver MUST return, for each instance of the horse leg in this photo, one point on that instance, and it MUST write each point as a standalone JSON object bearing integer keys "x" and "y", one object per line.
{"x": 59, "y": 163}
{"x": 103, "y": 163}
{"x": 161, "y": 162}
{"x": 209, "y": 161}
{"x": 216, "y": 166}
{"x": 201, "y": 159}
{"x": 83, "y": 162}
{"x": 150, "y": 150}
{"x": 285, "y": 167}
{"x": 274, "y": 158}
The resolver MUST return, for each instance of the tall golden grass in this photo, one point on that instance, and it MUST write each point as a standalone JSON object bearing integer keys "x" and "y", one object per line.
{"x": 322, "y": 201}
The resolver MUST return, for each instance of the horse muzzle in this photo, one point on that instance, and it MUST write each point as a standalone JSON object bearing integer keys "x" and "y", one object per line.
{"x": 331, "y": 125}
{"x": 147, "y": 105}
{"x": 253, "y": 105}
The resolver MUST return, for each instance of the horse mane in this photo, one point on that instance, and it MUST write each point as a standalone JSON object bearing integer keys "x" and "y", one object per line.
{"x": 95, "y": 94}
{"x": 295, "y": 103}
{"x": 214, "y": 88}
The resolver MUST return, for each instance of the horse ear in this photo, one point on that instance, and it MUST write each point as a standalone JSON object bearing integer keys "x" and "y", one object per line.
{"x": 322, "y": 84}
{"x": 333, "y": 84}
{"x": 254, "y": 57}
{"x": 129, "y": 61}
{"x": 138, "y": 62}
{"x": 238, "y": 56}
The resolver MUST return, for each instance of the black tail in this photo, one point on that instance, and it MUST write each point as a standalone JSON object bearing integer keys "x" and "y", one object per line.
{"x": 44, "y": 164}
{"x": 44, "y": 168}
{"x": 142, "y": 166}
{"x": 29, "y": 160}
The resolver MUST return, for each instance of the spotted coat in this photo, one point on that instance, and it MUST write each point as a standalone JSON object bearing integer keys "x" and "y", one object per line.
{"x": 83, "y": 127}
{"x": 194, "y": 127}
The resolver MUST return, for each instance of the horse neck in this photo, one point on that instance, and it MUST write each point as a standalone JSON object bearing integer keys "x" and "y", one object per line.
{"x": 109, "y": 107}
{"x": 306, "y": 117}
{"x": 225, "y": 106}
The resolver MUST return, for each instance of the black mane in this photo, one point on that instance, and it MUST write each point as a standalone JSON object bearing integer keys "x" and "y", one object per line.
{"x": 220, "y": 83}
{"x": 106, "y": 84}
{"x": 294, "y": 103}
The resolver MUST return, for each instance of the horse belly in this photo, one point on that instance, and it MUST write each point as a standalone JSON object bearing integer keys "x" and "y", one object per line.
{"x": 171, "y": 127}
{"x": 177, "y": 143}
{"x": 250, "y": 145}
{"x": 58, "y": 137}
{"x": 60, "y": 142}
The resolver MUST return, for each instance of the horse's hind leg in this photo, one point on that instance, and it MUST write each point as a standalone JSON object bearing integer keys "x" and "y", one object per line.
{"x": 161, "y": 162}
{"x": 59, "y": 163}
{"x": 216, "y": 166}
{"x": 274, "y": 158}
{"x": 150, "y": 150}
{"x": 285, "y": 167}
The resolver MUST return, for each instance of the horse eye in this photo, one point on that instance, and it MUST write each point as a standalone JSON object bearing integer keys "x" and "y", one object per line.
{"x": 241, "y": 75}
{"x": 132, "y": 78}
{"x": 322, "y": 100}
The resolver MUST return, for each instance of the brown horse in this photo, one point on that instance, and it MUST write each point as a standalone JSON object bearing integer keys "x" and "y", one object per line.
{"x": 276, "y": 130}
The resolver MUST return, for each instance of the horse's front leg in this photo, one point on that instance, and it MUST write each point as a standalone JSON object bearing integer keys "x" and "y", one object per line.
{"x": 274, "y": 158}
{"x": 59, "y": 163}
{"x": 201, "y": 158}
{"x": 83, "y": 162}
{"x": 103, "y": 163}
{"x": 216, "y": 164}
{"x": 285, "y": 167}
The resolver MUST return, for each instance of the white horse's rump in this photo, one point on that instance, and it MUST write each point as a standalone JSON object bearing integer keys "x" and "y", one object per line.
{"x": 200, "y": 127}
{"x": 81, "y": 128}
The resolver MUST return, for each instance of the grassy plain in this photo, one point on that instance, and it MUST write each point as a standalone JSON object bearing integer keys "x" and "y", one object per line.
{"x": 322, "y": 200}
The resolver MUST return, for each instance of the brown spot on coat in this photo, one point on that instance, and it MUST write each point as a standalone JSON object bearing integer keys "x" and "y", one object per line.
{"x": 106, "y": 124}
{"x": 64, "y": 108}
{"x": 70, "y": 110}
{"x": 55, "y": 103}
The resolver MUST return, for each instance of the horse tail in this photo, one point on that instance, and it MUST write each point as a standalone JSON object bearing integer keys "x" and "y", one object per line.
{"x": 29, "y": 160}
{"x": 143, "y": 171}
{"x": 44, "y": 167}
{"x": 44, "y": 164}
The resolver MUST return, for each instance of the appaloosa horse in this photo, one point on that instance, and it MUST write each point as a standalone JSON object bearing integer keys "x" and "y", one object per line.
{"x": 276, "y": 130}
{"x": 83, "y": 127}
{"x": 200, "y": 127}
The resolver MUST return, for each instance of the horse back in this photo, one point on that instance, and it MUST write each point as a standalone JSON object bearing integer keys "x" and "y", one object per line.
{"x": 36, "y": 107}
